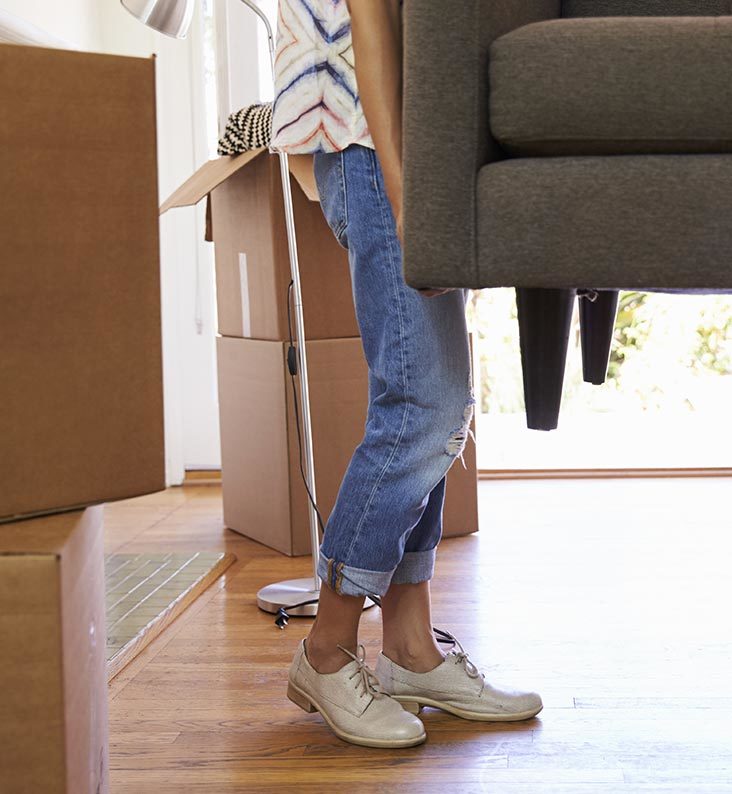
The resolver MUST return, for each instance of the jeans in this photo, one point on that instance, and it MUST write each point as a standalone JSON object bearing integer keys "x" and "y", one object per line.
{"x": 387, "y": 519}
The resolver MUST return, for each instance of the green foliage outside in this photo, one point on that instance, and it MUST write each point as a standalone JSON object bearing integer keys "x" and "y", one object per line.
{"x": 670, "y": 352}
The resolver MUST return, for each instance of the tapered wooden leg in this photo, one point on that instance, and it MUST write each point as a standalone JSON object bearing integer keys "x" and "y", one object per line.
{"x": 545, "y": 316}
{"x": 598, "y": 312}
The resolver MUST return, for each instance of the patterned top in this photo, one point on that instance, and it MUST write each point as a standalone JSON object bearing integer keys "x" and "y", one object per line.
{"x": 316, "y": 105}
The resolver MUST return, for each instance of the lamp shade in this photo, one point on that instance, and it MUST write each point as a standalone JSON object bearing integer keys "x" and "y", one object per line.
{"x": 171, "y": 17}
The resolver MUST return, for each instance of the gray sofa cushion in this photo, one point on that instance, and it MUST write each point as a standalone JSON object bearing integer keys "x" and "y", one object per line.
{"x": 613, "y": 86}
{"x": 656, "y": 222}
{"x": 645, "y": 8}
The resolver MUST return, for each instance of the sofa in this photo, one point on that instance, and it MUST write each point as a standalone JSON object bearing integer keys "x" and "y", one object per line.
{"x": 568, "y": 149}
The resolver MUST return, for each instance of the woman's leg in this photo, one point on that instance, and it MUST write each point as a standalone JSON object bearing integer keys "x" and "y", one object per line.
{"x": 408, "y": 639}
{"x": 421, "y": 397}
{"x": 335, "y": 624}
{"x": 420, "y": 406}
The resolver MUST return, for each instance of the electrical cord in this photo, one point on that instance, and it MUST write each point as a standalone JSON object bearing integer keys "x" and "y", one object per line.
{"x": 282, "y": 619}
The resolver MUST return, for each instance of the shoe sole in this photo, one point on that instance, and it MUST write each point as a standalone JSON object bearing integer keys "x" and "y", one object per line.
{"x": 308, "y": 704}
{"x": 414, "y": 706}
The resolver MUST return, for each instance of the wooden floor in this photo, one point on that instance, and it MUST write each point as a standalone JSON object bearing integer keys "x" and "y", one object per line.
{"x": 611, "y": 598}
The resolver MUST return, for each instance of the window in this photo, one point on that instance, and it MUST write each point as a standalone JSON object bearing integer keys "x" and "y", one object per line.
{"x": 665, "y": 404}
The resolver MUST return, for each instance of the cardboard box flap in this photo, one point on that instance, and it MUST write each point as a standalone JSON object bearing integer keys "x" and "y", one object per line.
{"x": 209, "y": 176}
{"x": 214, "y": 172}
{"x": 301, "y": 167}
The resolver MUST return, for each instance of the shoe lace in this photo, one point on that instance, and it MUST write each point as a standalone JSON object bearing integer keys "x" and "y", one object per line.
{"x": 461, "y": 657}
{"x": 364, "y": 674}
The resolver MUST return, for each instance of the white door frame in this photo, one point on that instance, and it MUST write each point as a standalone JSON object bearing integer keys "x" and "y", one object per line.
{"x": 187, "y": 271}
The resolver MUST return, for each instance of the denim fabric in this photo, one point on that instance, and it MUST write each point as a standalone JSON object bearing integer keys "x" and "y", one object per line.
{"x": 387, "y": 519}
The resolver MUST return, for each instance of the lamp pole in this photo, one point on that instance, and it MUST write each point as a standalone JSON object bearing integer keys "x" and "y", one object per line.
{"x": 294, "y": 591}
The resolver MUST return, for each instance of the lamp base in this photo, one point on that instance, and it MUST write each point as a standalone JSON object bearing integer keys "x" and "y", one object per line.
{"x": 293, "y": 591}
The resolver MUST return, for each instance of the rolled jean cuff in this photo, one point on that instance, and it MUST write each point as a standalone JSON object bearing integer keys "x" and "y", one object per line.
{"x": 346, "y": 580}
{"x": 415, "y": 567}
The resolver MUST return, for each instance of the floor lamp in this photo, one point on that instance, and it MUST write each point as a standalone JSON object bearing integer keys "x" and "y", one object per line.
{"x": 173, "y": 18}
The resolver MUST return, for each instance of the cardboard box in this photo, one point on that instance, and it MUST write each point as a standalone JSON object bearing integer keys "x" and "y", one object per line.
{"x": 80, "y": 364}
{"x": 263, "y": 492}
{"x": 247, "y": 224}
{"x": 53, "y": 714}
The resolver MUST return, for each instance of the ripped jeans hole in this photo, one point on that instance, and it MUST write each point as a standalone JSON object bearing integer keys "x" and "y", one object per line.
{"x": 458, "y": 438}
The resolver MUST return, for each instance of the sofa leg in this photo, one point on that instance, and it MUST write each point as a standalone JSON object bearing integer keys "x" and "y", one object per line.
{"x": 598, "y": 312}
{"x": 545, "y": 317}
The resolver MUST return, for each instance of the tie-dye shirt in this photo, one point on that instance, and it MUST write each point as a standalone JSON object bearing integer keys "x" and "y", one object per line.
{"x": 316, "y": 106}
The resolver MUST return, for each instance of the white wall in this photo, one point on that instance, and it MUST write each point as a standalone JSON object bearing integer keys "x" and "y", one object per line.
{"x": 75, "y": 21}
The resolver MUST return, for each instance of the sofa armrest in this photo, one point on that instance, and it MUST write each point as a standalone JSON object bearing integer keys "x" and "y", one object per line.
{"x": 446, "y": 129}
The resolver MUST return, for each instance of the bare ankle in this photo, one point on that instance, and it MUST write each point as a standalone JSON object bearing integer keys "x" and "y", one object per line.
{"x": 417, "y": 659}
{"x": 327, "y": 657}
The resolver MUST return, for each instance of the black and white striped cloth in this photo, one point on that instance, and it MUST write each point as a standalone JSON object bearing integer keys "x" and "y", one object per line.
{"x": 247, "y": 129}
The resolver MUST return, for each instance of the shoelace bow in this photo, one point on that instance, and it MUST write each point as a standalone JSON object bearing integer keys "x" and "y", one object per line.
{"x": 469, "y": 666}
{"x": 368, "y": 678}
